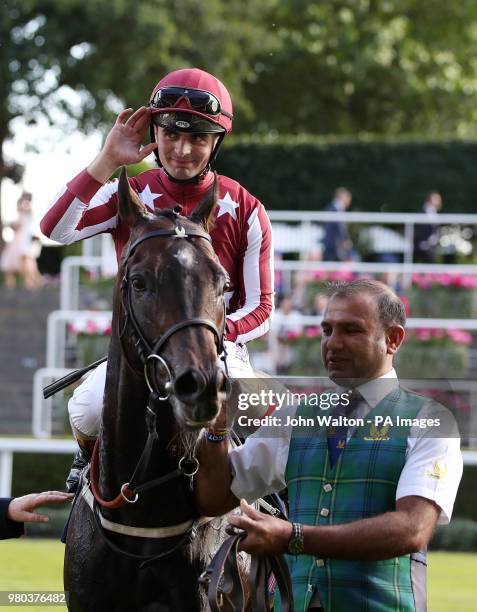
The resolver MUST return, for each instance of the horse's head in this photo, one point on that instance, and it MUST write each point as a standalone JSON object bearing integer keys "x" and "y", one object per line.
{"x": 172, "y": 294}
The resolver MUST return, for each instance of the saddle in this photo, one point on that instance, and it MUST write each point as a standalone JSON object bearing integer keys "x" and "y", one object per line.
{"x": 228, "y": 591}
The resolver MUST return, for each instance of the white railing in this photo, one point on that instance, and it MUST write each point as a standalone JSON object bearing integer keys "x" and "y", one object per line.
{"x": 9, "y": 446}
{"x": 56, "y": 331}
{"x": 42, "y": 413}
{"x": 70, "y": 276}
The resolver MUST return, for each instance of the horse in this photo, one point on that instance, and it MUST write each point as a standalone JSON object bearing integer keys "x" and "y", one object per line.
{"x": 134, "y": 540}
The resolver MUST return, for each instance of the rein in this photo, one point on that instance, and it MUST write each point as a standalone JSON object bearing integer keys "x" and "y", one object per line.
{"x": 226, "y": 588}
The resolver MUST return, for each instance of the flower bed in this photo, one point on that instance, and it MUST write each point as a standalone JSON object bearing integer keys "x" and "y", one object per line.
{"x": 443, "y": 296}
{"x": 431, "y": 295}
{"x": 90, "y": 339}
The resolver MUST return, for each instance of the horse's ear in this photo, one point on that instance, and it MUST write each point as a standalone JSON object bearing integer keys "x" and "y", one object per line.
{"x": 205, "y": 212}
{"x": 131, "y": 209}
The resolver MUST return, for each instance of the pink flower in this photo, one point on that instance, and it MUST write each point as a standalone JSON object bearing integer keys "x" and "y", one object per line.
{"x": 460, "y": 336}
{"x": 342, "y": 275}
{"x": 424, "y": 335}
{"x": 91, "y": 327}
{"x": 292, "y": 334}
{"x": 313, "y": 332}
{"x": 320, "y": 275}
{"x": 468, "y": 281}
{"x": 443, "y": 279}
{"x": 423, "y": 281}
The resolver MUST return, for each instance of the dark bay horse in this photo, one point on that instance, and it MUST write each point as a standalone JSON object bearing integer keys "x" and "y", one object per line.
{"x": 137, "y": 551}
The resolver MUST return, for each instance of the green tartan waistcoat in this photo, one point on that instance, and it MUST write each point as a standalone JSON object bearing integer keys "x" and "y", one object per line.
{"x": 362, "y": 484}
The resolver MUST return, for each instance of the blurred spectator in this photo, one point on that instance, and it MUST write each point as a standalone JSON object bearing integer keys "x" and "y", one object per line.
{"x": 19, "y": 256}
{"x": 426, "y": 235}
{"x": 337, "y": 243}
{"x": 303, "y": 277}
{"x": 287, "y": 325}
{"x": 319, "y": 304}
{"x": 11, "y": 259}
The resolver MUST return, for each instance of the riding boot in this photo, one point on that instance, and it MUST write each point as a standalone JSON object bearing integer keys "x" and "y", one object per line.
{"x": 81, "y": 460}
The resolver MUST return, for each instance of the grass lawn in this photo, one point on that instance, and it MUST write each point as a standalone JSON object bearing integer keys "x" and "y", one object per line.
{"x": 29, "y": 565}
{"x": 38, "y": 565}
{"x": 451, "y": 582}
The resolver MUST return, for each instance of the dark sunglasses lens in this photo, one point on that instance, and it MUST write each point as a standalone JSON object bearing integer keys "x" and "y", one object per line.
{"x": 199, "y": 100}
{"x": 164, "y": 99}
{"x": 204, "y": 101}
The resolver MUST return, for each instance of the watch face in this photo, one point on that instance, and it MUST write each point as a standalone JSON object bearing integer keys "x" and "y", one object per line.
{"x": 295, "y": 546}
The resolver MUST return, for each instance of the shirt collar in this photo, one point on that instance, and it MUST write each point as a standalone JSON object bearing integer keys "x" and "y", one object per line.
{"x": 375, "y": 390}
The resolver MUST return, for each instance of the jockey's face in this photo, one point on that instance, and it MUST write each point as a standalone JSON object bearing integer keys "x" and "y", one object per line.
{"x": 183, "y": 154}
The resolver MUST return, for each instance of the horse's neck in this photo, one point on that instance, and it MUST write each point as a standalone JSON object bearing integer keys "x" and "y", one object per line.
{"x": 123, "y": 423}
{"x": 124, "y": 429}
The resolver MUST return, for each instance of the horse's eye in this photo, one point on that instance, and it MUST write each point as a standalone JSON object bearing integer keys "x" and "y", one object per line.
{"x": 138, "y": 283}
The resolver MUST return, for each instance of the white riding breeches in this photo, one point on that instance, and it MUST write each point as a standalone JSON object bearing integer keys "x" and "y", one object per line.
{"x": 86, "y": 405}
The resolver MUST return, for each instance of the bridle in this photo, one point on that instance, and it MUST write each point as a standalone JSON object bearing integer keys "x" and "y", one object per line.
{"x": 148, "y": 353}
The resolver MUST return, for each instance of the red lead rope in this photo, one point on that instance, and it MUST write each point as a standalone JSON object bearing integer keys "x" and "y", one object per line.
{"x": 118, "y": 501}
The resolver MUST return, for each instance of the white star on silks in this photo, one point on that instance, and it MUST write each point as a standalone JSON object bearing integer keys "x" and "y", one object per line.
{"x": 147, "y": 197}
{"x": 227, "y": 205}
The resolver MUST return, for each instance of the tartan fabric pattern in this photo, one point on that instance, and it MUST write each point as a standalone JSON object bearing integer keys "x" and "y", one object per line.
{"x": 364, "y": 482}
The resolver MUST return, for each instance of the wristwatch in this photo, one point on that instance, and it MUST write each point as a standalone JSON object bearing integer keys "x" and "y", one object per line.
{"x": 296, "y": 543}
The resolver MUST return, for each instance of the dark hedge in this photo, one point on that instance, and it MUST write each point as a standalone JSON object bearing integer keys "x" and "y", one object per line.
{"x": 393, "y": 176}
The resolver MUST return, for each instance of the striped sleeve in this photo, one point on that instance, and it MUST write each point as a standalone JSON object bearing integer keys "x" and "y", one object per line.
{"x": 253, "y": 319}
{"x": 83, "y": 208}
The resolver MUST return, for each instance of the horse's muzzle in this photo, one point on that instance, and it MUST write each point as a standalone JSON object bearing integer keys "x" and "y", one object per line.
{"x": 200, "y": 395}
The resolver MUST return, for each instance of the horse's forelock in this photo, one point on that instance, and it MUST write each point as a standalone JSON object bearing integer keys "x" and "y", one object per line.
{"x": 171, "y": 214}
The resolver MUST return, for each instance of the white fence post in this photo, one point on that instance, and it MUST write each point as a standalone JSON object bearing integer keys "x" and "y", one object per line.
{"x": 6, "y": 467}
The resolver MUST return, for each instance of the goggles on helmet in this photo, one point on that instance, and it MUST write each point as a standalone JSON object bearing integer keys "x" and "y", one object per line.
{"x": 199, "y": 100}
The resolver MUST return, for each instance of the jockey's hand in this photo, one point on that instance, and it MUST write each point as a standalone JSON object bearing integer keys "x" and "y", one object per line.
{"x": 266, "y": 535}
{"x": 123, "y": 143}
{"x": 21, "y": 508}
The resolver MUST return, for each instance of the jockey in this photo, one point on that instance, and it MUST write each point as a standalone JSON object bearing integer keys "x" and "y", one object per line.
{"x": 188, "y": 115}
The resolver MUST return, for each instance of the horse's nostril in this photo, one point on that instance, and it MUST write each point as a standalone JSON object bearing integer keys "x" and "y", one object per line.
{"x": 189, "y": 385}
